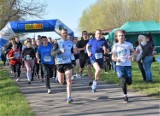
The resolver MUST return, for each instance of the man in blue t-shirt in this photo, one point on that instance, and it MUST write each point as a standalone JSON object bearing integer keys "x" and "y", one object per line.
{"x": 47, "y": 60}
{"x": 96, "y": 48}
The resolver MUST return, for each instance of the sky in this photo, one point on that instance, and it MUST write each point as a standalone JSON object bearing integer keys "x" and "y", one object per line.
{"x": 68, "y": 11}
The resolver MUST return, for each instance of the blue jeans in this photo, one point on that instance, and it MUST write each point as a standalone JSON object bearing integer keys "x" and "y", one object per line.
{"x": 147, "y": 67}
{"x": 124, "y": 71}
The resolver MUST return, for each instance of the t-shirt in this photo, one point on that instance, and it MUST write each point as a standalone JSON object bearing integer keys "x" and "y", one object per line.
{"x": 81, "y": 44}
{"x": 123, "y": 52}
{"x": 67, "y": 56}
{"x": 96, "y": 48}
{"x": 45, "y": 54}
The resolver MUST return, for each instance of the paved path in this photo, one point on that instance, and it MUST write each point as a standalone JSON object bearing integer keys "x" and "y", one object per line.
{"x": 107, "y": 101}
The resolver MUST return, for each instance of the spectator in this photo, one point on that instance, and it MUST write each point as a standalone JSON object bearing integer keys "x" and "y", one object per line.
{"x": 139, "y": 51}
{"x": 147, "y": 57}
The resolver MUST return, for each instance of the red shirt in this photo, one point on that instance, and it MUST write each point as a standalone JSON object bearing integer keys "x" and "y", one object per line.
{"x": 16, "y": 55}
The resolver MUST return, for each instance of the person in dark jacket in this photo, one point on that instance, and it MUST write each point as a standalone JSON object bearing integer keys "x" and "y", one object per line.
{"x": 147, "y": 57}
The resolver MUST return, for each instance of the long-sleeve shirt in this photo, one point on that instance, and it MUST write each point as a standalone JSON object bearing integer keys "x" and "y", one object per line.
{"x": 28, "y": 54}
{"x": 147, "y": 50}
{"x": 16, "y": 55}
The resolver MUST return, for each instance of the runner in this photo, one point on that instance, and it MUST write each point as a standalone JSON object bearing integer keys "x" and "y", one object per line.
{"x": 121, "y": 55}
{"x": 63, "y": 51}
{"x": 19, "y": 44}
{"x": 29, "y": 56}
{"x": 76, "y": 61}
{"x": 96, "y": 48}
{"x": 38, "y": 66}
{"x": 139, "y": 51}
{"x": 3, "y": 54}
{"x": 15, "y": 61}
{"x": 83, "y": 57}
{"x": 44, "y": 55}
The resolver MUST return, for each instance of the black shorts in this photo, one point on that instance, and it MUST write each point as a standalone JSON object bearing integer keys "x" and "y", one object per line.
{"x": 62, "y": 68}
{"x": 76, "y": 56}
{"x": 84, "y": 62}
{"x": 100, "y": 63}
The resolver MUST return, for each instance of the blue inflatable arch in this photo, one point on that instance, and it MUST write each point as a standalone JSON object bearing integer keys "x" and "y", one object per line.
{"x": 31, "y": 26}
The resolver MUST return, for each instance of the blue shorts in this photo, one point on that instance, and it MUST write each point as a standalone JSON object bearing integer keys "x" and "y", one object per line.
{"x": 100, "y": 62}
{"x": 124, "y": 71}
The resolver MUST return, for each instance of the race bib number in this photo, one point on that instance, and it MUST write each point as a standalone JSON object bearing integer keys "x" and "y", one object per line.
{"x": 59, "y": 60}
{"x": 74, "y": 46}
{"x": 28, "y": 57}
{"x": 98, "y": 55}
{"x": 66, "y": 60}
{"x": 17, "y": 55}
{"x": 47, "y": 58}
{"x": 63, "y": 60}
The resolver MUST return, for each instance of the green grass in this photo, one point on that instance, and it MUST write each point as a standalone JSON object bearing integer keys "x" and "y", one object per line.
{"x": 12, "y": 102}
{"x": 150, "y": 89}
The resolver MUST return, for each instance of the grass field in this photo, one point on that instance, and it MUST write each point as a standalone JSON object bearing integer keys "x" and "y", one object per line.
{"x": 150, "y": 89}
{"x": 12, "y": 102}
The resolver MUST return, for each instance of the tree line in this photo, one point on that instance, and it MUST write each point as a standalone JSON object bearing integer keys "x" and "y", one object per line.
{"x": 106, "y": 14}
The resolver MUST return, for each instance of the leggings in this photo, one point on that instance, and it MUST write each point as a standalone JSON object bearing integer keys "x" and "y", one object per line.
{"x": 48, "y": 73}
{"x": 16, "y": 69}
{"x": 54, "y": 71}
{"x": 29, "y": 66}
{"x": 125, "y": 81}
{"x": 39, "y": 67}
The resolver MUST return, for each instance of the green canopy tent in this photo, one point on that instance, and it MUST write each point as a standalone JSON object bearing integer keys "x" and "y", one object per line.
{"x": 133, "y": 29}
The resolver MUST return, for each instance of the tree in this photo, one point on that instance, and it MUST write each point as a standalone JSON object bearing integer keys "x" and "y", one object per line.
{"x": 19, "y": 10}
{"x": 114, "y": 13}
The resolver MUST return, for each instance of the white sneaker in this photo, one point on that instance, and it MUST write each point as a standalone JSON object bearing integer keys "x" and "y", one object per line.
{"x": 11, "y": 72}
{"x": 94, "y": 85}
{"x": 49, "y": 91}
{"x": 17, "y": 79}
{"x": 72, "y": 77}
{"x": 79, "y": 76}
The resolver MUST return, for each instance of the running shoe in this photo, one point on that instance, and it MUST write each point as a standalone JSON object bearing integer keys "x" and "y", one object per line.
{"x": 42, "y": 80}
{"x": 49, "y": 91}
{"x": 90, "y": 83}
{"x": 94, "y": 86}
{"x": 79, "y": 76}
{"x": 17, "y": 80}
{"x": 29, "y": 82}
{"x": 93, "y": 90}
{"x": 69, "y": 100}
{"x": 72, "y": 77}
{"x": 125, "y": 99}
{"x": 11, "y": 72}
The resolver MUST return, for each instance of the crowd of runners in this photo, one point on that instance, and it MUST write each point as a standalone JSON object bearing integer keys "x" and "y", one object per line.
{"x": 65, "y": 59}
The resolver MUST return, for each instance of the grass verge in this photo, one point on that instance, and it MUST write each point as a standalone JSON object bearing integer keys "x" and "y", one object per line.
{"x": 12, "y": 102}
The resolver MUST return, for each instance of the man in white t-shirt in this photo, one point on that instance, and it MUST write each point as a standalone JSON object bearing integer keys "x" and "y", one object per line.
{"x": 122, "y": 56}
